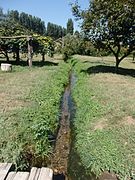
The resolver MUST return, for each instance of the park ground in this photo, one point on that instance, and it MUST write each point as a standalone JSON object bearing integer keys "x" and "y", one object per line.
{"x": 103, "y": 126}
{"x": 105, "y": 116}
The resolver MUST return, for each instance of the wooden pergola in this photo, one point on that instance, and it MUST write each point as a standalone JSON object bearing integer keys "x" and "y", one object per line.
{"x": 30, "y": 47}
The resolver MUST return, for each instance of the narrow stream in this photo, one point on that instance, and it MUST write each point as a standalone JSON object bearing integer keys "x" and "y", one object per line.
{"x": 65, "y": 162}
{"x": 63, "y": 142}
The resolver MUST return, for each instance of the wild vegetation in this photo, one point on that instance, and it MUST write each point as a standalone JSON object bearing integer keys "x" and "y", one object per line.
{"x": 29, "y": 113}
{"x": 104, "y": 123}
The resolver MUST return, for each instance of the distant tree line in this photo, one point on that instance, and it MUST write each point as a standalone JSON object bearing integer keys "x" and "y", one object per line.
{"x": 28, "y": 21}
{"x": 70, "y": 27}
{"x": 36, "y": 25}
{"x": 55, "y": 31}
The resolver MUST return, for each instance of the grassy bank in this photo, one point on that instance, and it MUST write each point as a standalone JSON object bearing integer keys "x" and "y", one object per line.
{"x": 29, "y": 113}
{"x": 105, "y": 117}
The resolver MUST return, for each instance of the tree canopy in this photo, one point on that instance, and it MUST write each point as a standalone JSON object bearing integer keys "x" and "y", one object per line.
{"x": 70, "y": 27}
{"x": 109, "y": 24}
{"x": 28, "y": 21}
{"x": 55, "y": 31}
{"x": 9, "y": 27}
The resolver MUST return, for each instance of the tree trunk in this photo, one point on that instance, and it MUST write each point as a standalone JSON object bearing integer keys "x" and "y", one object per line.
{"x": 133, "y": 56}
{"x": 6, "y": 55}
{"x": 30, "y": 51}
{"x": 43, "y": 57}
{"x": 17, "y": 55}
{"x": 117, "y": 65}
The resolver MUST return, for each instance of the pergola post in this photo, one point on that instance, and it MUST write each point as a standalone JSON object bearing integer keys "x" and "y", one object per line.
{"x": 30, "y": 50}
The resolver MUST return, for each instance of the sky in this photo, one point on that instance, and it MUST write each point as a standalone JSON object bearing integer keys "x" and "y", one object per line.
{"x": 54, "y": 11}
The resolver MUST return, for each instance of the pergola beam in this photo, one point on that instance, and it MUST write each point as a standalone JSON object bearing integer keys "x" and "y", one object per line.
{"x": 13, "y": 37}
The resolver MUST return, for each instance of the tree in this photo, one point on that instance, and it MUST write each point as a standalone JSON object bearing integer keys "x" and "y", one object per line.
{"x": 14, "y": 15}
{"x": 2, "y": 15}
{"x": 10, "y": 28}
{"x": 30, "y": 22}
{"x": 64, "y": 31}
{"x": 55, "y": 31}
{"x": 70, "y": 27}
{"x": 43, "y": 45}
{"x": 71, "y": 44}
{"x": 110, "y": 25}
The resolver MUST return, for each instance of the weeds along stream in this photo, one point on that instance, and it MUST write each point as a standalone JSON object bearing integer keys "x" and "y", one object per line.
{"x": 83, "y": 151}
{"x": 65, "y": 161}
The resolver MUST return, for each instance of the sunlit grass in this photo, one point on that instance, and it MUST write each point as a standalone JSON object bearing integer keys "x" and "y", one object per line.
{"x": 29, "y": 113}
{"x": 105, "y": 117}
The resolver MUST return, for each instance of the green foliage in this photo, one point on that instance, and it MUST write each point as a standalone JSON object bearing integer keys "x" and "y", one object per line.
{"x": 16, "y": 24}
{"x": 11, "y": 28}
{"x": 70, "y": 27}
{"x": 75, "y": 44}
{"x": 70, "y": 46}
{"x": 55, "y": 31}
{"x": 27, "y": 132}
{"x": 110, "y": 25}
{"x": 30, "y": 22}
{"x": 43, "y": 45}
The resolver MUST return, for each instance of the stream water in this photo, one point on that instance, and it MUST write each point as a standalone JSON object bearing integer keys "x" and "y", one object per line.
{"x": 63, "y": 142}
{"x": 65, "y": 157}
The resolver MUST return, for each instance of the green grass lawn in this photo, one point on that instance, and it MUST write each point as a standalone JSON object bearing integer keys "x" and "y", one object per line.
{"x": 105, "y": 116}
{"x": 29, "y": 113}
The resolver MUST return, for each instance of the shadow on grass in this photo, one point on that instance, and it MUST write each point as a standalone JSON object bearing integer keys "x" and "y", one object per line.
{"x": 105, "y": 63}
{"x": 73, "y": 62}
{"x": 109, "y": 69}
{"x": 34, "y": 63}
{"x": 76, "y": 169}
